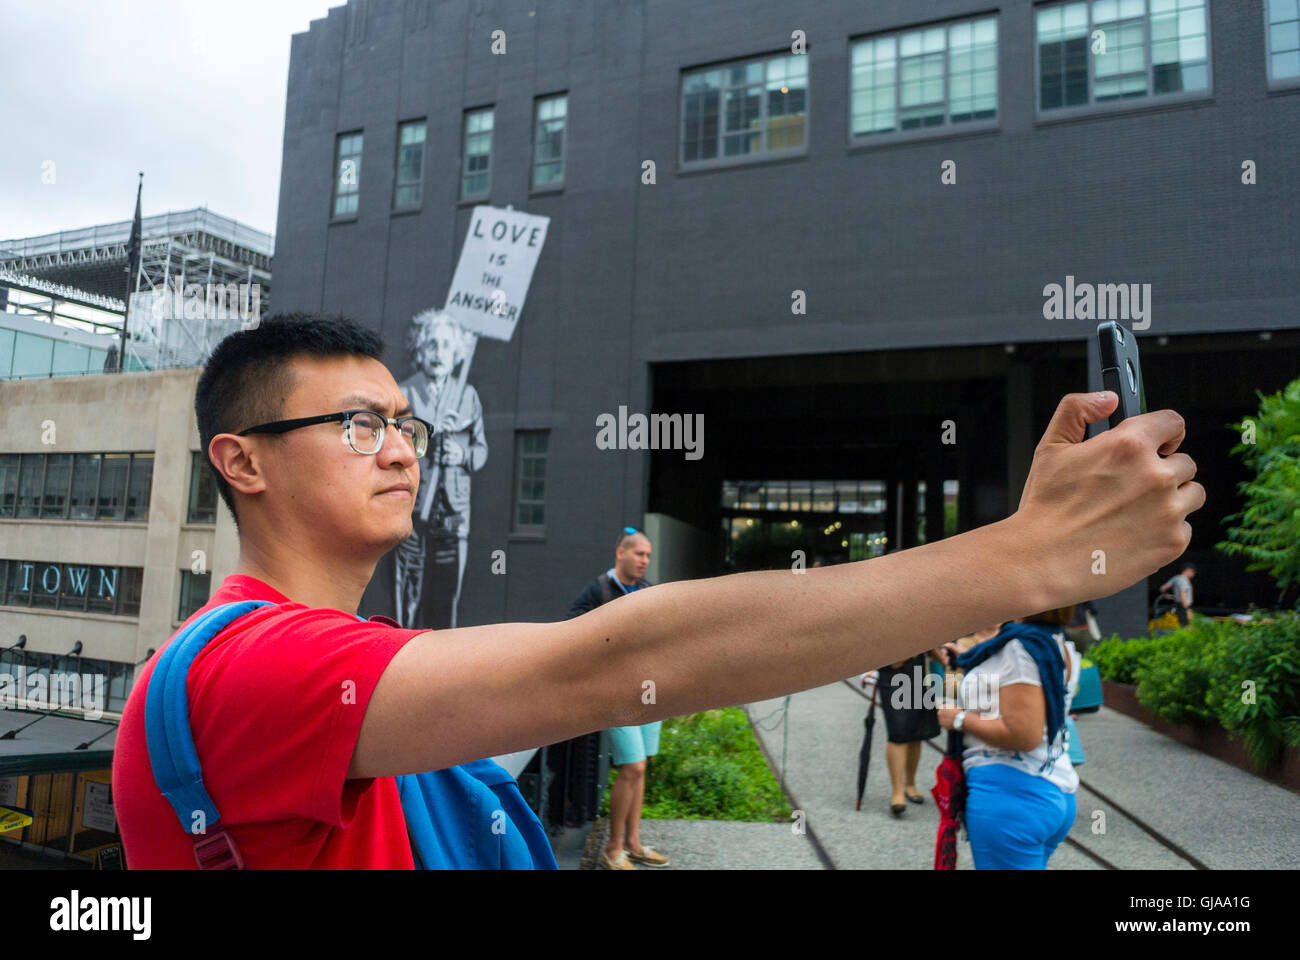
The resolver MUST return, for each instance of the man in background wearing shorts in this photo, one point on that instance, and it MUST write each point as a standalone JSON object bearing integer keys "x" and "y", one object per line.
{"x": 632, "y": 746}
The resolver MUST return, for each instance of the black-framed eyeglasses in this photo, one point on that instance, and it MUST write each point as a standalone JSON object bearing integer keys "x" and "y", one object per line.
{"x": 363, "y": 430}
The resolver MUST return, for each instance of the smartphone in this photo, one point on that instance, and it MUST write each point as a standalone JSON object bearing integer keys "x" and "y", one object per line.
{"x": 1120, "y": 371}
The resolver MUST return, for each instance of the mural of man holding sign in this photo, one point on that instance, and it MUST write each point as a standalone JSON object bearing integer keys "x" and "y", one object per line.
{"x": 431, "y": 564}
{"x": 485, "y": 299}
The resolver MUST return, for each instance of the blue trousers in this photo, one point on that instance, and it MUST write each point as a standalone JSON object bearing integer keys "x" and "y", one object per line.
{"x": 1015, "y": 820}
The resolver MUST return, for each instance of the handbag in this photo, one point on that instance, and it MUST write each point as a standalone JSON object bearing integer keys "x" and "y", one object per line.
{"x": 467, "y": 817}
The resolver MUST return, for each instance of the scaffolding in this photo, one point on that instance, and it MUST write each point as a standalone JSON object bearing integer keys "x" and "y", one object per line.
{"x": 178, "y": 251}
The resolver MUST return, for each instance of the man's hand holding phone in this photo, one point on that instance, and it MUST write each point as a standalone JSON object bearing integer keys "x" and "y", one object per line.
{"x": 1099, "y": 514}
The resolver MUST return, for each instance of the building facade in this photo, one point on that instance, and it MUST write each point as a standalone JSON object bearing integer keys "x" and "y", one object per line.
{"x": 869, "y": 244}
{"x": 111, "y": 533}
{"x": 111, "y": 527}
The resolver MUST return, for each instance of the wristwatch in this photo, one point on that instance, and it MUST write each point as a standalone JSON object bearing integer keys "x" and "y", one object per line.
{"x": 958, "y": 720}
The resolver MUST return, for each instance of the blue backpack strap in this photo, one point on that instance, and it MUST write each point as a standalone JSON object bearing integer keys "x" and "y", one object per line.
{"x": 172, "y": 756}
{"x": 450, "y": 813}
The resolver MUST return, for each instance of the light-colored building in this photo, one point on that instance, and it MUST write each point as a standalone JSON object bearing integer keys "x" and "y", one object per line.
{"x": 111, "y": 530}
{"x": 111, "y": 533}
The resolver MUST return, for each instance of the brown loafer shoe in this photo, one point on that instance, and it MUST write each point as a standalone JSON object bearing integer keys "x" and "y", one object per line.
{"x": 621, "y": 862}
{"x": 648, "y": 856}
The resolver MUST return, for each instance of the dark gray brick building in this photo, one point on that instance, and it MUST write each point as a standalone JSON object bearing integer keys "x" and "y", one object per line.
{"x": 914, "y": 175}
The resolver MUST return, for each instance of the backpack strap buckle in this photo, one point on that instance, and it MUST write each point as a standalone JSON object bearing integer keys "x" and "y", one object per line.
{"x": 217, "y": 851}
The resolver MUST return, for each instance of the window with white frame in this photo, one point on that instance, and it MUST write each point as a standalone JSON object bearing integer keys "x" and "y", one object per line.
{"x": 548, "y": 142}
{"x": 476, "y": 180}
{"x": 1283, "y": 41}
{"x": 755, "y": 107}
{"x": 347, "y": 180}
{"x": 927, "y": 77}
{"x": 1093, "y": 52}
{"x": 408, "y": 187}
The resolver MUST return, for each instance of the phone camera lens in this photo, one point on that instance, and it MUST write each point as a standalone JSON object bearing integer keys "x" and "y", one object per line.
{"x": 1119, "y": 333}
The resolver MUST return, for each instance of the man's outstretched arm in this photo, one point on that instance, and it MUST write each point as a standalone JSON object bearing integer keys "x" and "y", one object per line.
{"x": 1093, "y": 519}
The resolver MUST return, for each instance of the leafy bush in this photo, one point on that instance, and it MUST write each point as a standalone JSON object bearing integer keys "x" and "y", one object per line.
{"x": 1117, "y": 658}
{"x": 1263, "y": 662}
{"x": 1269, "y": 534}
{"x": 1243, "y": 677}
{"x": 709, "y": 767}
{"x": 1181, "y": 670}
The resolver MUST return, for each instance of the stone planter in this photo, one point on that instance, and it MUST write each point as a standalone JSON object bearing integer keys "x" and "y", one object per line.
{"x": 1208, "y": 738}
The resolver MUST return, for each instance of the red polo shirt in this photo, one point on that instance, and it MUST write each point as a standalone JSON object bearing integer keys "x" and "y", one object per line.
{"x": 276, "y": 704}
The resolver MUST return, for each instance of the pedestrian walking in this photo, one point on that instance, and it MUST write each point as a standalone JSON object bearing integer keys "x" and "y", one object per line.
{"x": 633, "y": 746}
{"x": 910, "y": 707}
{"x": 1012, "y": 707}
{"x": 1179, "y": 588}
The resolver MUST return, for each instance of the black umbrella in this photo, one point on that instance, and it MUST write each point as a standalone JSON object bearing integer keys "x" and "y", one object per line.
{"x": 864, "y": 755}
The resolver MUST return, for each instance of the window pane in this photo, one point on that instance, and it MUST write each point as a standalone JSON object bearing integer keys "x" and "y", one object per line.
{"x": 77, "y": 584}
{"x": 70, "y": 358}
{"x": 31, "y": 479}
{"x": 195, "y": 590}
{"x": 47, "y": 581}
{"x": 8, "y": 483}
{"x": 112, "y": 486}
{"x": 478, "y": 149}
{"x": 6, "y": 353}
{"x": 1286, "y": 65}
{"x": 1284, "y": 36}
{"x": 129, "y": 602}
{"x": 548, "y": 136}
{"x": 203, "y": 491}
{"x": 102, "y": 587}
{"x": 85, "y": 480}
{"x": 18, "y": 589}
{"x": 347, "y": 175}
{"x": 137, "y": 499}
{"x": 410, "y": 165}
{"x": 33, "y": 356}
{"x": 58, "y": 474}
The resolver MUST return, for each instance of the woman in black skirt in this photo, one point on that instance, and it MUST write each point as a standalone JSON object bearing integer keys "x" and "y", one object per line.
{"x": 910, "y": 717}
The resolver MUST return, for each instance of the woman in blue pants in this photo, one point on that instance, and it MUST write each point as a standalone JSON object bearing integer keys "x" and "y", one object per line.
{"x": 1011, "y": 708}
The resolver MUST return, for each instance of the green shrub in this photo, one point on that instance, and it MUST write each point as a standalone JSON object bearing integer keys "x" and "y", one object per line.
{"x": 1269, "y": 531}
{"x": 709, "y": 767}
{"x": 1261, "y": 662}
{"x": 1180, "y": 670}
{"x": 1244, "y": 677}
{"x": 1117, "y": 658}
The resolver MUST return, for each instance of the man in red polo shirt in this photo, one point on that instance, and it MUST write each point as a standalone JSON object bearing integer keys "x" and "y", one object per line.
{"x": 302, "y": 714}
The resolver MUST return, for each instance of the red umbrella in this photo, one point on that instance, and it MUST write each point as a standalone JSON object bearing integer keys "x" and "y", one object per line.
{"x": 949, "y": 792}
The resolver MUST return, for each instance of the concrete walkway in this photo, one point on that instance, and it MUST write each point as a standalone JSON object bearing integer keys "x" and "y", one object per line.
{"x": 1145, "y": 802}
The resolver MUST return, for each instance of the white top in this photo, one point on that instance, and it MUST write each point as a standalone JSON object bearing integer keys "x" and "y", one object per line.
{"x": 979, "y": 693}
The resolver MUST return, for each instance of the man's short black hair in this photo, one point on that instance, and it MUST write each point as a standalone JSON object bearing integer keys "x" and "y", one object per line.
{"x": 246, "y": 380}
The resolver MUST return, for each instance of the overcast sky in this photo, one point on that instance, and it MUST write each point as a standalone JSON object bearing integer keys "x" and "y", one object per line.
{"x": 191, "y": 93}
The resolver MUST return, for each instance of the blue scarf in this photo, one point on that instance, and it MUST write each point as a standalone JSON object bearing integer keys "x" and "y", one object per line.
{"x": 1038, "y": 643}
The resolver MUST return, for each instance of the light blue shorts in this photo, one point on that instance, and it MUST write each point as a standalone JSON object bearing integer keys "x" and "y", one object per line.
{"x": 1015, "y": 820}
{"x": 633, "y": 744}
